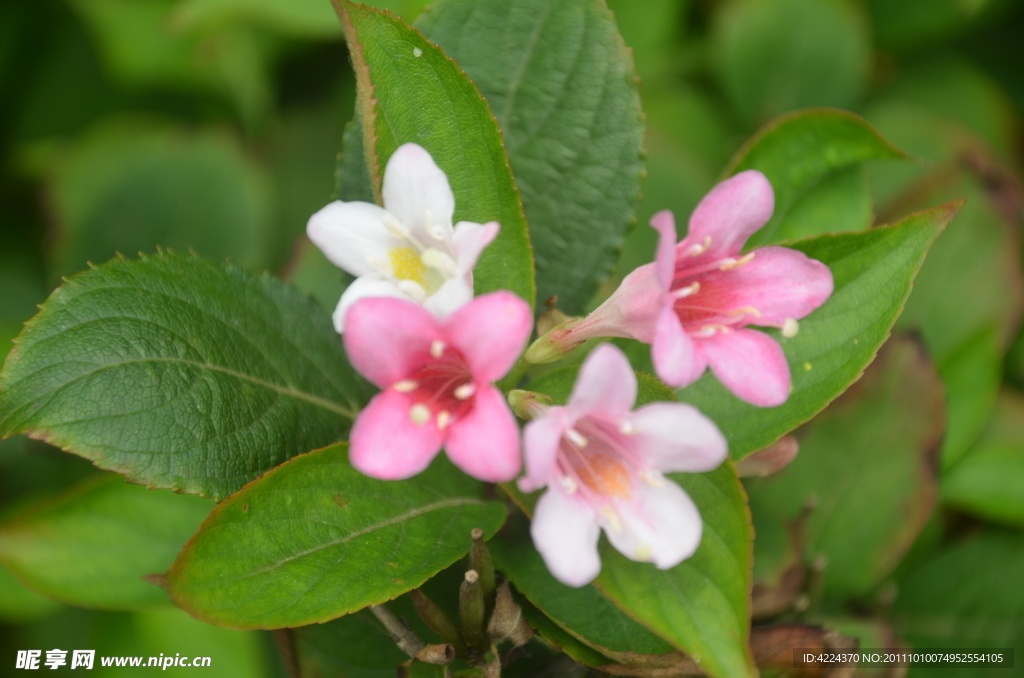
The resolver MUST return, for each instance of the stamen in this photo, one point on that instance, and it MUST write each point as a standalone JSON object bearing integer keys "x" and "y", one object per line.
{"x": 613, "y": 518}
{"x": 652, "y": 479}
{"x": 730, "y": 263}
{"x": 437, "y": 348}
{"x": 746, "y": 310}
{"x": 687, "y": 291}
{"x": 413, "y": 289}
{"x": 643, "y": 553}
{"x": 711, "y": 330}
{"x": 627, "y": 428}
{"x": 444, "y": 418}
{"x": 433, "y": 230}
{"x": 436, "y": 259}
{"x": 465, "y": 391}
{"x": 790, "y": 328}
{"x": 577, "y": 438}
{"x": 419, "y": 414}
{"x": 701, "y": 248}
{"x": 395, "y": 226}
{"x": 405, "y": 386}
{"x": 570, "y": 485}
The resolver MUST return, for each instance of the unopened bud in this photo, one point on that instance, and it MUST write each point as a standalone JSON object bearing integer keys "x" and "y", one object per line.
{"x": 554, "y": 344}
{"x": 507, "y": 621}
{"x": 528, "y": 404}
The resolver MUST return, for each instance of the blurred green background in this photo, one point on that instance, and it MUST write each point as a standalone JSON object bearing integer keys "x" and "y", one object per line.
{"x": 214, "y": 125}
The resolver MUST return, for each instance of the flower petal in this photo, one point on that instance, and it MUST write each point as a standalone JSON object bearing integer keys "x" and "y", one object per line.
{"x": 660, "y": 524}
{"x": 469, "y": 241}
{"x": 605, "y": 387}
{"x": 729, "y": 214}
{"x": 485, "y": 443}
{"x": 631, "y": 312}
{"x": 387, "y": 339}
{"x": 413, "y": 186}
{"x": 352, "y": 236}
{"x": 676, "y": 359}
{"x": 778, "y": 283}
{"x": 491, "y": 332}
{"x": 361, "y": 288}
{"x": 750, "y": 364}
{"x": 386, "y": 444}
{"x": 565, "y": 531}
{"x": 541, "y": 438}
{"x": 664, "y": 222}
{"x": 453, "y": 294}
{"x": 676, "y": 437}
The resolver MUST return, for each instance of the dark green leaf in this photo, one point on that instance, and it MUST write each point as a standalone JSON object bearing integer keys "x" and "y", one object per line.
{"x": 132, "y": 187}
{"x": 799, "y": 152}
{"x": 354, "y": 646}
{"x": 315, "y": 539}
{"x": 989, "y": 480}
{"x": 352, "y": 177}
{"x": 774, "y": 56}
{"x": 557, "y": 636}
{"x": 561, "y": 83}
{"x": 92, "y": 545}
{"x": 969, "y": 595}
{"x": 410, "y": 91}
{"x": 867, "y": 466}
{"x": 20, "y": 604}
{"x": 873, "y": 273}
{"x": 701, "y": 606}
{"x": 180, "y": 372}
{"x": 972, "y": 376}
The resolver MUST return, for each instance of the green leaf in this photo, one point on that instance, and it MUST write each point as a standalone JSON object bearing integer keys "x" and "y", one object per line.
{"x": 315, "y": 539}
{"x": 972, "y": 278}
{"x": 557, "y": 636}
{"x": 969, "y": 595}
{"x": 867, "y": 466}
{"x": 582, "y": 613}
{"x": 410, "y": 91}
{"x": 354, "y": 646}
{"x": 972, "y": 375}
{"x": 989, "y": 480}
{"x": 131, "y": 187}
{"x": 873, "y": 273}
{"x": 701, "y": 606}
{"x": 911, "y": 24}
{"x": 561, "y": 83}
{"x": 774, "y": 56}
{"x": 800, "y": 154}
{"x": 20, "y": 604}
{"x": 91, "y": 545}
{"x": 352, "y": 176}
{"x": 839, "y": 203}
{"x": 179, "y": 372}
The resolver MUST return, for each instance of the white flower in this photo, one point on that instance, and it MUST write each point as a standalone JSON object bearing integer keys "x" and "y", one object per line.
{"x": 407, "y": 249}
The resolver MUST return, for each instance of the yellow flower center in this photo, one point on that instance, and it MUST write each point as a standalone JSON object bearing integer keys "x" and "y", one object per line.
{"x": 407, "y": 265}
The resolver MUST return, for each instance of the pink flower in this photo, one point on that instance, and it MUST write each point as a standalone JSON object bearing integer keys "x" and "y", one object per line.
{"x": 407, "y": 249}
{"x": 603, "y": 465}
{"x": 694, "y": 302}
{"x": 435, "y": 377}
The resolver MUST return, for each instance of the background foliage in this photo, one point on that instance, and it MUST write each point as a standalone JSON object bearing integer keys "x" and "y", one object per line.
{"x": 130, "y": 125}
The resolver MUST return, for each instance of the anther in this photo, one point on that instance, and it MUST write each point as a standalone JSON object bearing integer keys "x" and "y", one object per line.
{"x": 711, "y": 330}
{"x": 746, "y": 310}
{"x": 569, "y": 484}
{"x": 413, "y": 289}
{"x": 644, "y": 553}
{"x": 627, "y": 428}
{"x": 436, "y": 259}
{"x": 465, "y": 391}
{"x": 576, "y": 438}
{"x": 395, "y": 226}
{"x": 652, "y": 479}
{"x": 701, "y": 248}
{"x": 444, "y": 418}
{"x": 687, "y": 291}
{"x": 790, "y": 328}
{"x": 419, "y": 414}
{"x": 613, "y": 518}
{"x": 730, "y": 263}
{"x": 405, "y": 386}
{"x": 437, "y": 348}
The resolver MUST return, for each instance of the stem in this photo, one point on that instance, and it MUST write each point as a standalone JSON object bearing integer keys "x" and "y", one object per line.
{"x": 407, "y": 641}
{"x": 514, "y": 376}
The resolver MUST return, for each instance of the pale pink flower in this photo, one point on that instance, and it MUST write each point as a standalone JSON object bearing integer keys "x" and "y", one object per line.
{"x": 407, "y": 249}
{"x": 435, "y": 375}
{"x": 694, "y": 302}
{"x": 602, "y": 464}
